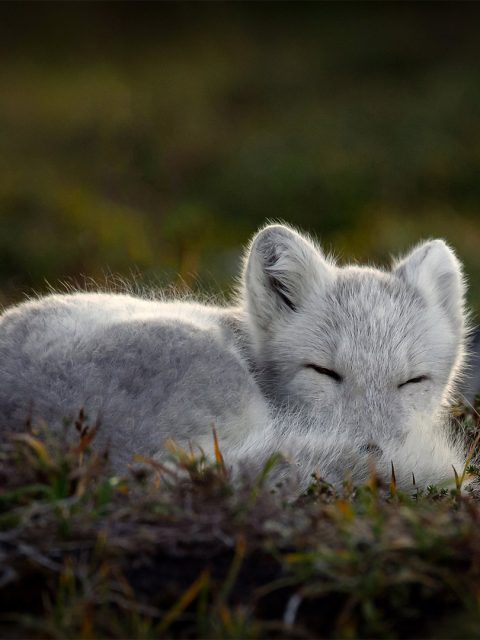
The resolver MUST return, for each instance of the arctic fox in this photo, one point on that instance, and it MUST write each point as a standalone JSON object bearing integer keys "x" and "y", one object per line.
{"x": 338, "y": 368}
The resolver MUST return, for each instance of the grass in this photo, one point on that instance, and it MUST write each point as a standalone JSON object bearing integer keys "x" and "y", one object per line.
{"x": 176, "y": 551}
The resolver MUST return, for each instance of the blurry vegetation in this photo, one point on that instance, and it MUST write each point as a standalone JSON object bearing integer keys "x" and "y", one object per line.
{"x": 156, "y": 138}
{"x": 178, "y": 551}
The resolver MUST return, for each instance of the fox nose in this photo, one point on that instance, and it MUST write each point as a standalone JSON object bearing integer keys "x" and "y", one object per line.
{"x": 372, "y": 449}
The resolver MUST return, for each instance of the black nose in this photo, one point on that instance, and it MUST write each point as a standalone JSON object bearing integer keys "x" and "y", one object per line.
{"x": 371, "y": 448}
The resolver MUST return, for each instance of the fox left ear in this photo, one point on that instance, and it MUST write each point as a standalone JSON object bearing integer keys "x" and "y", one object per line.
{"x": 281, "y": 268}
{"x": 434, "y": 269}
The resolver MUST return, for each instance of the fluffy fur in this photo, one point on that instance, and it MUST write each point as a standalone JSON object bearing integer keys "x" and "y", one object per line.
{"x": 338, "y": 368}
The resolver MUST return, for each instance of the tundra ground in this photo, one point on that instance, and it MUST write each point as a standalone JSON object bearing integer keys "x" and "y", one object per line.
{"x": 180, "y": 552}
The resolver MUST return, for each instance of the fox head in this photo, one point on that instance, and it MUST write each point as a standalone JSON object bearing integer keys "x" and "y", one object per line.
{"x": 367, "y": 357}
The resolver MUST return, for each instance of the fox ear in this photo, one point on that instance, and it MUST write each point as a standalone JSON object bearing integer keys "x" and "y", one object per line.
{"x": 434, "y": 269}
{"x": 281, "y": 268}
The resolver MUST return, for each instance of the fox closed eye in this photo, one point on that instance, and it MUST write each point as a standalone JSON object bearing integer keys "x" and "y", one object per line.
{"x": 325, "y": 372}
{"x": 413, "y": 381}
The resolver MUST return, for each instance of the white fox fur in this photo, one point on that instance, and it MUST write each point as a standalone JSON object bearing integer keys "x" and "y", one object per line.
{"x": 336, "y": 367}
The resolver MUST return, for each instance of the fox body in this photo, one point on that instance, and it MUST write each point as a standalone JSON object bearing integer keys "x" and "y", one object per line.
{"x": 335, "y": 367}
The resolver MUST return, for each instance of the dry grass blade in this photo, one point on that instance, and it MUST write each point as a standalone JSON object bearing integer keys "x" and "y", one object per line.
{"x": 184, "y": 601}
{"x": 393, "y": 481}
{"x": 86, "y": 438}
{"x": 218, "y": 454}
{"x": 470, "y": 454}
{"x": 238, "y": 558}
{"x": 458, "y": 480}
{"x": 156, "y": 465}
{"x": 36, "y": 445}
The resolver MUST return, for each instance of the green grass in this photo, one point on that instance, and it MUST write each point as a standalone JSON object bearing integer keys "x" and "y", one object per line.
{"x": 176, "y": 551}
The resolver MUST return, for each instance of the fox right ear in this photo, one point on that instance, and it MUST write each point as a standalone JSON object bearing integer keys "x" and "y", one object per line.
{"x": 435, "y": 271}
{"x": 281, "y": 268}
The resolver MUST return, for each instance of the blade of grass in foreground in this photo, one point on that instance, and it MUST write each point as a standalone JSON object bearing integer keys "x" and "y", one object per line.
{"x": 184, "y": 601}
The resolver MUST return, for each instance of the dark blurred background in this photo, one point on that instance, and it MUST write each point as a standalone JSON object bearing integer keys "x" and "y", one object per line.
{"x": 154, "y": 138}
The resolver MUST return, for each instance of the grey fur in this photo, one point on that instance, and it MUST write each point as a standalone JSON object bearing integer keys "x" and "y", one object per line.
{"x": 151, "y": 370}
{"x": 470, "y": 384}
